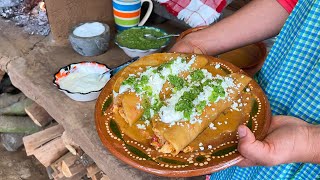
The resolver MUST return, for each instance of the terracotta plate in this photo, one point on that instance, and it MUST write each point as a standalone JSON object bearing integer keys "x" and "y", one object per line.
{"x": 218, "y": 153}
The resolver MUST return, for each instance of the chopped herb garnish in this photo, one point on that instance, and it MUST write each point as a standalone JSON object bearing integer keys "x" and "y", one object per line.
{"x": 197, "y": 75}
{"x": 185, "y": 104}
{"x": 129, "y": 81}
{"x": 165, "y": 65}
{"x": 176, "y": 81}
{"x": 144, "y": 80}
{"x": 200, "y": 107}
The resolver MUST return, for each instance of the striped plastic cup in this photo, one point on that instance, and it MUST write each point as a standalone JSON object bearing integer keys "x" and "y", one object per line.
{"x": 127, "y": 13}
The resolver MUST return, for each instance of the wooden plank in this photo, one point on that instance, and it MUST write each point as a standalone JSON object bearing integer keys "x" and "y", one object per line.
{"x": 71, "y": 165}
{"x": 34, "y": 141}
{"x": 50, "y": 152}
{"x": 39, "y": 115}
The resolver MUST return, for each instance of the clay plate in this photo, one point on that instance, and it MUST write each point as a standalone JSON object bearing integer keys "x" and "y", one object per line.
{"x": 144, "y": 157}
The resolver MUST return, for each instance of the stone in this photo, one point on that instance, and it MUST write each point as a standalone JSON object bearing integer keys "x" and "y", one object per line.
{"x": 9, "y": 3}
{"x": 12, "y": 141}
{"x": 91, "y": 46}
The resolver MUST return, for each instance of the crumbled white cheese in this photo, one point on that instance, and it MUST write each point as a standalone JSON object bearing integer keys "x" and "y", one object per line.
{"x": 139, "y": 106}
{"x": 141, "y": 126}
{"x": 209, "y": 147}
{"x": 248, "y": 89}
{"x": 172, "y": 124}
{"x": 211, "y": 126}
{"x": 195, "y": 120}
{"x": 217, "y": 66}
{"x": 219, "y": 123}
{"x": 201, "y": 148}
{"x": 147, "y": 122}
{"x": 200, "y": 144}
{"x": 235, "y": 106}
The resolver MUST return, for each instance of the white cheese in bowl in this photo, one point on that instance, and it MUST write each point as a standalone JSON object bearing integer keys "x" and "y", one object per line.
{"x": 83, "y": 82}
{"x": 89, "y": 29}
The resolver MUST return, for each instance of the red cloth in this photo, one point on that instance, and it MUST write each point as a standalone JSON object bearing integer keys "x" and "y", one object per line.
{"x": 195, "y": 12}
{"x": 288, "y": 5}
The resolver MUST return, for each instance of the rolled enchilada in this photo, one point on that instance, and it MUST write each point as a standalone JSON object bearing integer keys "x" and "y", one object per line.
{"x": 177, "y": 94}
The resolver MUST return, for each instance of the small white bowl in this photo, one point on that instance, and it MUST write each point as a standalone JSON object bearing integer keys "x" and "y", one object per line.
{"x": 139, "y": 52}
{"x": 87, "y": 67}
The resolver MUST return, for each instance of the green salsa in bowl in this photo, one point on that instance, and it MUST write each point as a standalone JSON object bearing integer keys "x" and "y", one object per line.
{"x": 134, "y": 44}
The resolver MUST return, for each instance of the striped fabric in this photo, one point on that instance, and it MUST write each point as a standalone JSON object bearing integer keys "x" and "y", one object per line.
{"x": 291, "y": 79}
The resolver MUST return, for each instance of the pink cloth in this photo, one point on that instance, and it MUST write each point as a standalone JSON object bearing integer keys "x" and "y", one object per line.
{"x": 195, "y": 12}
{"x": 288, "y": 5}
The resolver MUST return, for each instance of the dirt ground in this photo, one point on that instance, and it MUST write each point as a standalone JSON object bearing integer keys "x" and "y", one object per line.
{"x": 17, "y": 166}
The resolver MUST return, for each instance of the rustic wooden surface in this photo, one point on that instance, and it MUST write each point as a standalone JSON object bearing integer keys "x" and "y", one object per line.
{"x": 31, "y": 67}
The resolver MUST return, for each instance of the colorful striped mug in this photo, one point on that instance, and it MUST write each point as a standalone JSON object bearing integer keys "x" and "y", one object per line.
{"x": 127, "y": 13}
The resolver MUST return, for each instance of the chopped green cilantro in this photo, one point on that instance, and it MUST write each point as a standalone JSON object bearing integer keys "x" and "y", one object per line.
{"x": 197, "y": 75}
{"x": 176, "y": 81}
{"x": 131, "y": 80}
{"x": 148, "y": 90}
{"x": 218, "y": 91}
{"x": 185, "y": 104}
{"x": 165, "y": 65}
{"x": 200, "y": 107}
{"x": 144, "y": 79}
{"x": 157, "y": 105}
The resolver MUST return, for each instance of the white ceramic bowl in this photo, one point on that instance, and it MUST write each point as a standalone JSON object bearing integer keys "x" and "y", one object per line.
{"x": 139, "y": 52}
{"x": 86, "y": 67}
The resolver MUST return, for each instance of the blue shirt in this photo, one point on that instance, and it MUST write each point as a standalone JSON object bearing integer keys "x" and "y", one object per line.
{"x": 290, "y": 78}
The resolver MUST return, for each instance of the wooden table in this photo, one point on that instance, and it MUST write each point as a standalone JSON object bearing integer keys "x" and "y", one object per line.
{"x": 31, "y": 62}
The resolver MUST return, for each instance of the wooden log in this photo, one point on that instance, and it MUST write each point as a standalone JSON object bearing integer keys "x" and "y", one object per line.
{"x": 93, "y": 171}
{"x": 17, "y": 124}
{"x": 50, "y": 152}
{"x": 2, "y": 73}
{"x": 56, "y": 167}
{"x": 69, "y": 143}
{"x": 105, "y": 177}
{"x": 36, "y": 140}
{"x": 7, "y": 99}
{"x": 71, "y": 165}
{"x": 39, "y": 115}
{"x": 16, "y": 109}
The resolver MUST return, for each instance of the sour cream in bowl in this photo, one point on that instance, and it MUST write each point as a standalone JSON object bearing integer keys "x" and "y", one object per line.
{"x": 82, "y": 81}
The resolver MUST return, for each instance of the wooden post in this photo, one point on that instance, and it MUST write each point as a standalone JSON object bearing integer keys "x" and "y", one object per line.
{"x": 39, "y": 115}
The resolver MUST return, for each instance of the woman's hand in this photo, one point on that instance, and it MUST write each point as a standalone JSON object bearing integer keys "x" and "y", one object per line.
{"x": 289, "y": 140}
{"x": 189, "y": 44}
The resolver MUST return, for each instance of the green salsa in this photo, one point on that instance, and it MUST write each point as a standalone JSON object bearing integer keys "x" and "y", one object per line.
{"x": 134, "y": 39}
